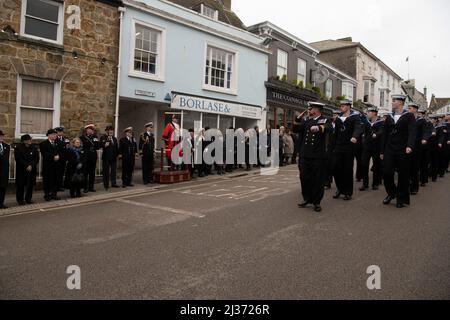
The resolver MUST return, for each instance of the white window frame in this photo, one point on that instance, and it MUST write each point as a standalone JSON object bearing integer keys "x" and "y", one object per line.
{"x": 202, "y": 12}
{"x": 56, "y": 105}
{"x": 59, "y": 34}
{"x": 280, "y": 66}
{"x": 234, "y": 70}
{"x": 330, "y": 82}
{"x": 299, "y": 75}
{"x": 160, "y": 58}
{"x": 347, "y": 90}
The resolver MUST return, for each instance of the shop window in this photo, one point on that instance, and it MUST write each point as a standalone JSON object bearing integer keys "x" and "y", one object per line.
{"x": 147, "y": 52}
{"x": 37, "y": 107}
{"x": 226, "y": 122}
{"x": 209, "y": 120}
{"x": 282, "y": 63}
{"x": 220, "y": 70}
{"x": 43, "y": 20}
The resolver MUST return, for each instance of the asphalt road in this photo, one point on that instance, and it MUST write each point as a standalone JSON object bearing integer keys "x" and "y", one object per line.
{"x": 231, "y": 238}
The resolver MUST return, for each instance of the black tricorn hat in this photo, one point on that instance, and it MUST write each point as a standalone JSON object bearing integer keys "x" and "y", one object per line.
{"x": 25, "y": 137}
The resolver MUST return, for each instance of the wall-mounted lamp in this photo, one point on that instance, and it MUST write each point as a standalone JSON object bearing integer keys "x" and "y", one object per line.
{"x": 103, "y": 60}
{"x": 75, "y": 55}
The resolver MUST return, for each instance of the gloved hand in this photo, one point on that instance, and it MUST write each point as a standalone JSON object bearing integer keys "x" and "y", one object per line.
{"x": 79, "y": 166}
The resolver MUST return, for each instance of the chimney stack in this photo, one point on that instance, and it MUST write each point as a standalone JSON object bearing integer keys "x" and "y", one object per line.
{"x": 425, "y": 92}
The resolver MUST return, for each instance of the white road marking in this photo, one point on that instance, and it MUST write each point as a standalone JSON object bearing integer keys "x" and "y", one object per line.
{"x": 161, "y": 208}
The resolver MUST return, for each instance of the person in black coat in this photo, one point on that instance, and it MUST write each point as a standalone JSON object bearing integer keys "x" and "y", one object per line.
{"x": 90, "y": 145}
{"x": 398, "y": 142}
{"x": 4, "y": 169}
{"x": 128, "y": 151}
{"x": 62, "y": 142}
{"x": 314, "y": 155}
{"x": 347, "y": 132}
{"x": 371, "y": 140}
{"x": 26, "y": 155}
{"x": 76, "y": 160}
{"x": 419, "y": 157}
{"x": 147, "y": 151}
{"x": 50, "y": 164}
{"x": 110, "y": 146}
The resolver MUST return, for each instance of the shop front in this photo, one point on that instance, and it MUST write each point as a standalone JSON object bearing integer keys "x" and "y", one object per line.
{"x": 212, "y": 113}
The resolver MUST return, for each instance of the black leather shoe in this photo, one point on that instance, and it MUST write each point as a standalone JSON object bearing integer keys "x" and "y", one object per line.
{"x": 400, "y": 205}
{"x": 337, "y": 194}
{"x": 317, "y": 208}
{"x": 363, "y": 188}
{"x": 85, "y": 191}
{"x": 3, "y": 206}
{"x": 347, "y": 198}
{"x": 21, "y": 203}
{"x": 115, "y": 186}
{"x": 29, "y": 201}
{"x": 47, "y": 198}
{"x": 413, "y": 193}
{"x": 303, "y": 204}
{"x": 423, "y": 185}
{"x": 92, "y": 190}
{"x": 388, "y": 199}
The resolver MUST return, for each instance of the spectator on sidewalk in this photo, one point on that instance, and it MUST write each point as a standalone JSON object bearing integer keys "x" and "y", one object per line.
{"x": 76, "y": 160}
{"x": 110, "y": 146}
{"x": 4, "y": 169}
{"x": 50, "y": 164}
{"x": 128, "y": 151}
{"x": 288, "y": 147}
{"x": 147, "y": 151}
{"x": 26, "y": 156}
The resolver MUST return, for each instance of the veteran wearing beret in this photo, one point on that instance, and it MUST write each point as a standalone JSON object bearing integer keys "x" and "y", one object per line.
{"x": 26, "y": 156}
{"x": 146, "y": 150}
{"x": 50, "y": 164}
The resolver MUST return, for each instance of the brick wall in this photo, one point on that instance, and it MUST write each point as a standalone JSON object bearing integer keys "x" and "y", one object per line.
{"x": 88, "y": 84}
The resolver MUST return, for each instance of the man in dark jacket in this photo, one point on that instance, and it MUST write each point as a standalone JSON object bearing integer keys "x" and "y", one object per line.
{"x": 128, "y": 151}
{"x": 147, "y": 151}
{"x": 398, "y": 141}
{"x": 347, "y": 132}
{"x": 419, "y": 157}
{"x": 26, "y": 155}
{"x": 91, "y": 144}
{"x": 110, "y": 146}
{"x": 63, "y": 143}
{"x": 4, "y": 169}
{"x": 373, "y": 130}
{"x": 314, "y": 155}
{"x": 50, "y": 164}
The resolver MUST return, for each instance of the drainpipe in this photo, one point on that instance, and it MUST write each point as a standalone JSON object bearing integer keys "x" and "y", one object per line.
{"x": 119, "y": 67}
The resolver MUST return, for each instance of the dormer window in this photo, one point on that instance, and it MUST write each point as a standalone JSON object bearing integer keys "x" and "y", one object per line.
{"x": 209, "y": 12}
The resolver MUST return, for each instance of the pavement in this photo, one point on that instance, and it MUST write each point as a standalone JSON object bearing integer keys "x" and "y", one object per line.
{"x": 238, "y": 236}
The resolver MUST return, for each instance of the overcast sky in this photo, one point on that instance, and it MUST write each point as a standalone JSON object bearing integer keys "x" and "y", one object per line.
{"x": 391, "y": 29}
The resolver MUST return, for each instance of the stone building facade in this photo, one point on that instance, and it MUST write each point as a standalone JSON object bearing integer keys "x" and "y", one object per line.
{"x": 58, "y": 65}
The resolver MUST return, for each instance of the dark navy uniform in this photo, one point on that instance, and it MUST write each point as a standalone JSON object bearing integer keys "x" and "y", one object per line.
{"x": 25, "y": 156}
{"x": 4, "y": 171}
{"x": 110, "y": 146}
{"x": 397, "y": 136}
{"x": 313, "y": 159}
{"x": 128, "y": 151}
{"x": 442, "y": 138}
{"x": 90, "y": 146}
{"x": 62, "y": 142}
{"x": 373, "y": 132}
{"x": 147, "y": 151}
{"x": 420, "y": 155}
{"x": 344, "y": 151}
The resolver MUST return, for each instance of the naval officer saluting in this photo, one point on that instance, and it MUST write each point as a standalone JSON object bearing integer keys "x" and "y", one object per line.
{"x": 313, "y": 161}
{"x": 397, "y": 145}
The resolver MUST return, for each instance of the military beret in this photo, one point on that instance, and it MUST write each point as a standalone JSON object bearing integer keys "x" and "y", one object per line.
{"x": 399, "y": 97}
{"x": 51, "y": 131}
{"x": 25, "y": 137}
